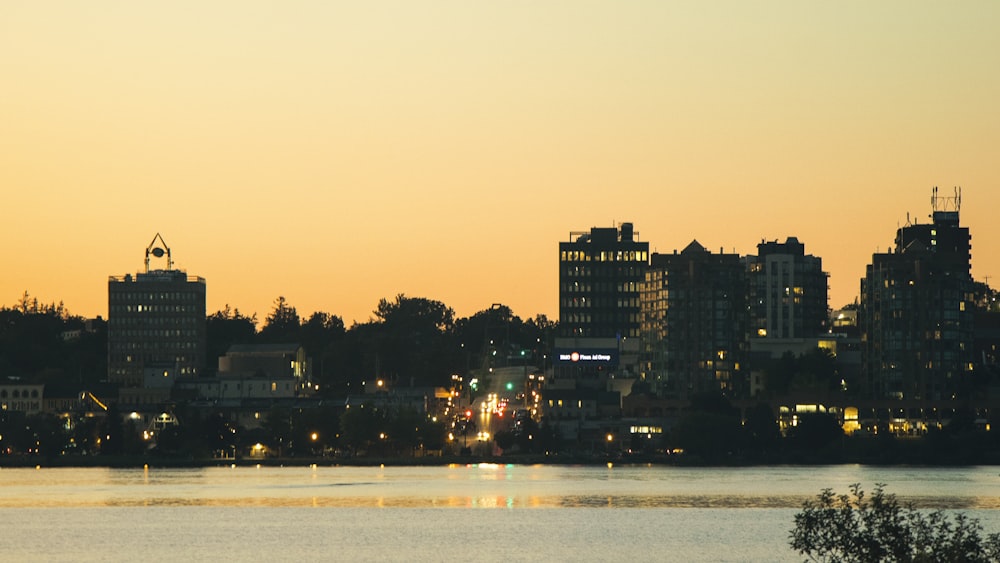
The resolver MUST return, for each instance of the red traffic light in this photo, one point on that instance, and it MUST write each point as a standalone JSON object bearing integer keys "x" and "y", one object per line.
{"x": 468, "y": 414}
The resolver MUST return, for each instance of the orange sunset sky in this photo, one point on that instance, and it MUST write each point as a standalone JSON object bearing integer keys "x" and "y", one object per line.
{"x": 337, "y": 153}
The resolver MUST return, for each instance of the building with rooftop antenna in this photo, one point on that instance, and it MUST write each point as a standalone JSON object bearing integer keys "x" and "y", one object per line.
{"x": 916, "y": 314}
{"x": 156, "y": 324}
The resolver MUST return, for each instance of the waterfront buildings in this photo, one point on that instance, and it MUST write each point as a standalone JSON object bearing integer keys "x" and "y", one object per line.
{"x": 156, "y": 324}
{"x": 600, "y": 275}
{"x": 787, "y": 296}
{"x": 695, "y": 322}
{"x": 787, "y": 291}
{"x": 916, "y": 311}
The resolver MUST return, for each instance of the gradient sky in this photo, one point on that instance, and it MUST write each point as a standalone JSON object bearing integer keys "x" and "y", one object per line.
{"x": 340, "y": 152}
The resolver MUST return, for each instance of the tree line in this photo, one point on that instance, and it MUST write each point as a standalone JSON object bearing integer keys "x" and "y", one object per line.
{"x": 408, "y": 340}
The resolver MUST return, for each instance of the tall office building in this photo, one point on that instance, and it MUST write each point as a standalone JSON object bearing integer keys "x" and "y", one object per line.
{"x": 600, "y": 275}
{"x": 694, "y": 322}
{"x": 916, "y": 311}
{"x": 788, "y": 292}
{"x": 156, "y": 324}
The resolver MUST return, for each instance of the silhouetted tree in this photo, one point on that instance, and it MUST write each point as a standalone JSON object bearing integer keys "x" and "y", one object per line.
{"x": 35, "y": 344}
{"x": 504, "y": 439}
{"x": 855, "y": 528}
{"x": 710, "y": 436}
{"x": 282, "y": 324}
{"x": 499, "y": 330}
{"x": 321, "y": 335}
{"x": 761, "y": 430}
{"x": 360, "y": 426}
{"x": 711, "y": 428}
{"x": 815, "y": 431}
{"x": 113, "y": 438}
{"x": 225, "y": 328}
{"x": 412, "y": 341}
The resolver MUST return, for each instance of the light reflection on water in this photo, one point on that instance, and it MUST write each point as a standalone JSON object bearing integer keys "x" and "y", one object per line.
{"x": 484, "y": 512}
{"x": 489, "y": 486}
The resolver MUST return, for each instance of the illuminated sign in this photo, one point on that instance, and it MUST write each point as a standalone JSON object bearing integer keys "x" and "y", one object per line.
{"x": 587, "y": 356}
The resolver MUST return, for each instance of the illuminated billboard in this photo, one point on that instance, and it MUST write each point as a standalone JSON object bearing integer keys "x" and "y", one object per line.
{"x": 587, "y": 356}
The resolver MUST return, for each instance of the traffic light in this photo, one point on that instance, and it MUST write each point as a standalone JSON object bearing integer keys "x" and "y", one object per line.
{"x": 510, "y": 385}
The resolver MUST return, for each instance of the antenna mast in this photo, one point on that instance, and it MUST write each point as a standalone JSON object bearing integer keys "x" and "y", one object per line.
{"x": 159, "y": 252}
{"x": 953, "y": 203}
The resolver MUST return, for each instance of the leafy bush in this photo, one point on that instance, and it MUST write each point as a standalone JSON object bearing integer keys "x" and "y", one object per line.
{"x": 856, "y": 528}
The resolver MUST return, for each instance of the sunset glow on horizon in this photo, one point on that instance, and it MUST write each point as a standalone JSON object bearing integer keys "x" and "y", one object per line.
{"x": 338, "y": 153}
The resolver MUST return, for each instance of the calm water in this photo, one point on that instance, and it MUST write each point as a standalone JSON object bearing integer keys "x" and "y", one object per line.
{"x": 461, "y": 513}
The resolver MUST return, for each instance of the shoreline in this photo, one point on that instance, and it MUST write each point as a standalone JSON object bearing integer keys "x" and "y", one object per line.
{"x": 136, "y": 462}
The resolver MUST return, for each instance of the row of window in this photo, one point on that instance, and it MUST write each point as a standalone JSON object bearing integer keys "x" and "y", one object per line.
{"x": 156, "y": 345}
{"x": 597, "y": 303}
{"x": 145, "y": 308}
{"x": 118, "y": 322}
{"x": 591, "y": 272}
{"x": 591, "y": 286}
{"x": 586, "y": 332}
{"x": 175, "y": 296}
{"x": 128, "y": 358}
{"x": 604, "y": 256}
{"x": 19, "y": 393}
{"x": 154, "y": 333}
{"x": 588, "y": 318}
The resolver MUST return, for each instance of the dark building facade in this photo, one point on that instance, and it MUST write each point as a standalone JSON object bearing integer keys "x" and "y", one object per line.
{"x": 695, "y": 323}
{"x": 156, "y": 324}
{"x": 788, "y": 291}
{"x": 916, "y": 313}
{"x": 600, "y": 275}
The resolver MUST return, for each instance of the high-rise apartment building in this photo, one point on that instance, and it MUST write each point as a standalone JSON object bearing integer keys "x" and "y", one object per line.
{"x": 156, "y": 324}
{"x": 695, "y": 322}
{"x": 600, "y": 275}
{"x": 916, "y": 311}
{"x": 788, "y": 292}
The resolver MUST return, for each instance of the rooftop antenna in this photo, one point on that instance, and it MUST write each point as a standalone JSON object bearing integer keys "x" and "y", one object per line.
{"x": 159, "y": 252}
{"x": 953, "y": 203}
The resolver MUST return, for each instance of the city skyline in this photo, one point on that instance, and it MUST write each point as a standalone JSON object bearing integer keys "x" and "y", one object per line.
{"x": 338, "y": 154}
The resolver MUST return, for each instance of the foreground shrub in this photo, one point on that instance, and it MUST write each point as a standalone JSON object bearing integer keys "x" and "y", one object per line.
{"x": 857, "y": 528}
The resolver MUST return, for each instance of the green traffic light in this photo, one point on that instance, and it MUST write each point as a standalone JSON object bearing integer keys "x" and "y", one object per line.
{"x": 510, "y": 385}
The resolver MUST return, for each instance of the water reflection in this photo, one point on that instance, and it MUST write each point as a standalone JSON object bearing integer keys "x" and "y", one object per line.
{"x": 486, "y": 487}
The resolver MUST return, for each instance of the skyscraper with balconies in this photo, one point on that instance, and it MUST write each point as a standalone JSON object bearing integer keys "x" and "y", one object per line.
{"x": 694, "y": 327}
{"x": 916, "y": 312}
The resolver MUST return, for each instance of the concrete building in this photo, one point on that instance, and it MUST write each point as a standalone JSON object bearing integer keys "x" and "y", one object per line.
{"x": 695, "y": 323}
{"x": 787, "y": 295}
{"x": 156, "y": 324}
{"x": 788, "y": 291}
{"x": 916, "y": 312}
{"x": 600, "y": 275}
{"x": 281, "y": 361}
